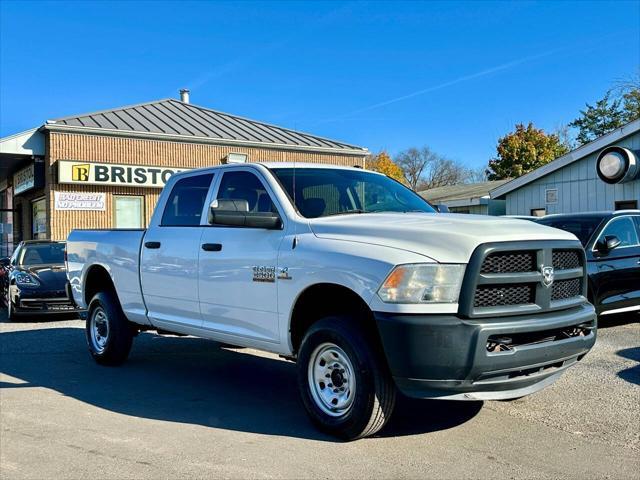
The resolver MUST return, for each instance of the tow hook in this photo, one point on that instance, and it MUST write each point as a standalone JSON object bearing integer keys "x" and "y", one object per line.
{"x": 499, "y": 344}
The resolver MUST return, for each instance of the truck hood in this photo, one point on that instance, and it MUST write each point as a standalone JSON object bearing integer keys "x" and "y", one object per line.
{"x": 443, "y": 237}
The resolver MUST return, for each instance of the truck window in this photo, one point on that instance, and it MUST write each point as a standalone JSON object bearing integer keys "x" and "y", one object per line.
{"x": 186, "y": 201}
{"x": 246, "y": 186}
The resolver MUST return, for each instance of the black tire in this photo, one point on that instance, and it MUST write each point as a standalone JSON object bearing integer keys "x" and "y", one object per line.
{"x": 118, "y": 336}
{"x": 375, "y": 392}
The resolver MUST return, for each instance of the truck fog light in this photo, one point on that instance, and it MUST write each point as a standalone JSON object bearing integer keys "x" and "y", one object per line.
{"x": 423, "y": 283}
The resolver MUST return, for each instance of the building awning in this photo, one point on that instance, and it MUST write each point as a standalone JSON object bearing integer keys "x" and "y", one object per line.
{"x": 29, "y": 142}
{"x": 17, "y": 151}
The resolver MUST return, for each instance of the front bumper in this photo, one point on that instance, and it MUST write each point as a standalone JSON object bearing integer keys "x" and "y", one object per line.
{"x": 445, "y": 356}
{"x": 26, "y": 301}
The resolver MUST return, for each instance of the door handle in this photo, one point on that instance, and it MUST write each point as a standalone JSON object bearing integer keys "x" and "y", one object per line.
{"x": 212, "y": 247}
{"x": 152, "y": 244}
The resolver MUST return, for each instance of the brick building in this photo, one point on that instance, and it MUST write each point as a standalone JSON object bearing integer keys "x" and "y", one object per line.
{"x": 106, "y": 169}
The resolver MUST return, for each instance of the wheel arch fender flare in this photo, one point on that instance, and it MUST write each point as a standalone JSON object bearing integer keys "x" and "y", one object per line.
{"x": 311, "y": 304}
{"x": 96, "y": 275}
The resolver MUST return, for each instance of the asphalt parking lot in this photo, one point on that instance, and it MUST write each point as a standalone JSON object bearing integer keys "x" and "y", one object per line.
{"x": 187, "y": 408}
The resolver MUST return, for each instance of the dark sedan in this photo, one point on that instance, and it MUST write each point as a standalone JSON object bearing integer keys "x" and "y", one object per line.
{"x": 612, "y": 245}
{"x": 35, "y": 279}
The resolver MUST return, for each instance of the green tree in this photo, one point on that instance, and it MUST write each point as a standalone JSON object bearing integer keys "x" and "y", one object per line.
{"x": 629, "y": 90}
{"x": 382, "y": 163}
{"x": 631, "y": 104}
{"x": 596, "y": 120}
{"x": 524, "y": 150}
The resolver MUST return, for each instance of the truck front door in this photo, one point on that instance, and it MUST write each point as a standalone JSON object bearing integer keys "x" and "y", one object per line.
{"x": 238, "y": 266}
{"x": 169, "y": 259}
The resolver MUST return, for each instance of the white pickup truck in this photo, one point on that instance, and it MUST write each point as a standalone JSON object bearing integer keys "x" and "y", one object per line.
{"x": 351, "y": 275}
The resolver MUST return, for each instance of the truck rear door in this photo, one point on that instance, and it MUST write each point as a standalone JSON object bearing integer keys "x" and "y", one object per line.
{"x": 169, "y": 260}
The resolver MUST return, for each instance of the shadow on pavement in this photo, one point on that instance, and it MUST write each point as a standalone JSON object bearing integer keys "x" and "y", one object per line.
{"x": 35, "y": 318}
{"x": 190, "y": 380}
{"x": 631, "y": 374}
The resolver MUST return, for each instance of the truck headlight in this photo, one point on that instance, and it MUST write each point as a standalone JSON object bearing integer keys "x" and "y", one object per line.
{"x": 26, "y": 280}
{"x": 423, "y": 283}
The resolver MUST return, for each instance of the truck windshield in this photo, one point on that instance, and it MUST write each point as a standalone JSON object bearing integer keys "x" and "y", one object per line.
{"x": 42, "y": 254}
{"x": 322, "y": 192}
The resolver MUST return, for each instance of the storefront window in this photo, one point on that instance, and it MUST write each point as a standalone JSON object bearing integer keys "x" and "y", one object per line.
{"x": 39, "y": 219}
{"x": 128, "y": 211}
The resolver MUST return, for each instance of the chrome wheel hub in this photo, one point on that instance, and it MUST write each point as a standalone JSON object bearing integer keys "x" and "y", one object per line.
{"x": 331, "y": 380}
{"x": 99, "y": 329}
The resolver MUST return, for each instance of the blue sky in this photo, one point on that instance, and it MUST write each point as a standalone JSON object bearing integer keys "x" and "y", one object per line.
{"x": 451, "y": 75}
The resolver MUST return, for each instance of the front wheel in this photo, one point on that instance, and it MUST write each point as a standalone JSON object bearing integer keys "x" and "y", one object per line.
{"x": 109, "y": 333}
{"x": 344, "y": 383}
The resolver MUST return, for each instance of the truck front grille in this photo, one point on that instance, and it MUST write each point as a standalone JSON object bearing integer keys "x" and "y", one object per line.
{"x": 566, "y": 259}
{"x": 566, "y": 289}
{"x": 514, "y": 278}
{"x": 509, "y": 262}
{"x": 504, "y": 295}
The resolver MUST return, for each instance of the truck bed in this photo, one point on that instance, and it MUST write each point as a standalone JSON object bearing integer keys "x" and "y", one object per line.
{"x": 117, "y": 251}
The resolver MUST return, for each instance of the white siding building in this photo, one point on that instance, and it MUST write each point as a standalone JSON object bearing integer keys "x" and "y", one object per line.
{"x": 571, "y": 183}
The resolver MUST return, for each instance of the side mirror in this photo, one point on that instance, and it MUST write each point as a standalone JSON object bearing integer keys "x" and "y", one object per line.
{"x": 442, "y": 208}
{"x": 234, "y": 213}
{"x": 609, "y": 243}
{"x": 5, "y": 261}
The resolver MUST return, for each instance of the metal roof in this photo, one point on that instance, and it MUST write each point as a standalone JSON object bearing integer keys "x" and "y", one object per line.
{"x": 173, "y": 118}
{"x": 460, "y": 192}
{"x": 571, "y": 157}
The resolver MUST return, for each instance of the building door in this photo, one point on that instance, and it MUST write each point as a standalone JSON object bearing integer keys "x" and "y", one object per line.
{"x": 6, "y": 223}
{"x": 39, "y": 219}
{"x": 128, "y": 211}
{"x": 18, "y": 235}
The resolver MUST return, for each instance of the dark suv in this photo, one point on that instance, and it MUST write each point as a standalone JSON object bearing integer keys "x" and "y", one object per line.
{"x": 612, "y": 244}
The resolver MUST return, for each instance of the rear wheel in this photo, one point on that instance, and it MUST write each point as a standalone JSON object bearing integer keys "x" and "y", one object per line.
{"x": 109, "y": 333}
{"x": 344, "y": 383}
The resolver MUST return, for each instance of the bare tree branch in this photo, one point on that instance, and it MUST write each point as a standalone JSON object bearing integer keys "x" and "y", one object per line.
{"x": 413, "y": 163}
{"x": 423, "y": 169}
